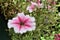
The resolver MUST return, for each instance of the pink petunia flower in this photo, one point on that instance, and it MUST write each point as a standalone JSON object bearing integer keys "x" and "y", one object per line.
{"x": 31, "y": 7}
{"x": 22, "y": 23}
{"x": 39, "y": 5}
{"x": 57, "y": 37}
{"x": 38, "y": 2}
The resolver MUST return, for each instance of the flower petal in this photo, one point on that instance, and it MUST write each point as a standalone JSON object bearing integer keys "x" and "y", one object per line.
{"x": 9, "y": 24}
{"x": 29, "y": 9}
{"x": 23, "y": 30}
{"x": 21, "y": 16}
{"x": 32, "y": 19}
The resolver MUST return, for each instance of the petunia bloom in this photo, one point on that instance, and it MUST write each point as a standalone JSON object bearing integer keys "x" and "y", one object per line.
{"x": 38, "y": 2}
{"x": 31, "y": 7}
{"x": 22, "y": 23}
{"x": 57, "y": 36}
{"x": 39, "y": 5}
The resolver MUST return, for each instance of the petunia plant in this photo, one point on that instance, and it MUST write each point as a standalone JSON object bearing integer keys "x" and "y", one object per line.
{"x": 32, "y": 19}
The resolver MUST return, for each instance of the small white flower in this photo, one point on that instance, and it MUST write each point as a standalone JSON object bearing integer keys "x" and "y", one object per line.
{"x": 59, "y": 13}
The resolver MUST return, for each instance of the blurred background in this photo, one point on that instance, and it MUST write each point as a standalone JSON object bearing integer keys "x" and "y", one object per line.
{"x": 4, "y": 34}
